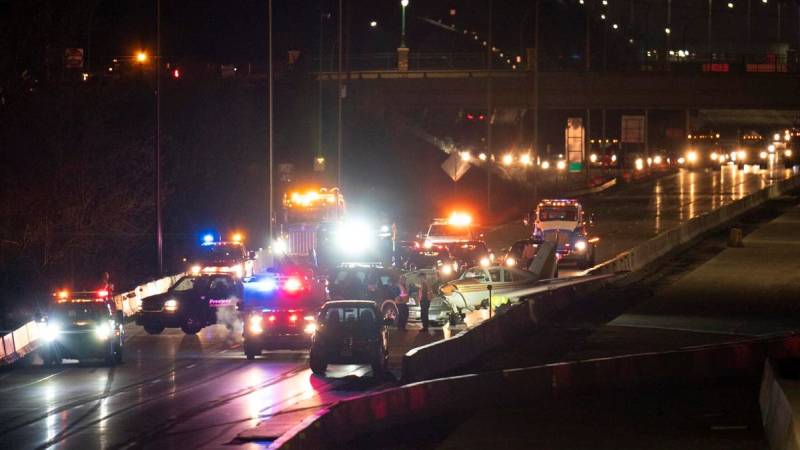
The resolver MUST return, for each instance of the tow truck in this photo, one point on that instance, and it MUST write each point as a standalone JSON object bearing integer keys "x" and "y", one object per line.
{"x": 704, "y": 150}
{"x": 310, "y": 220}
{"x": 562, "y": 221}
{"x": 280, "y": 310}
{"x": 82, "y": 325}
{"x": 223, "y": 257}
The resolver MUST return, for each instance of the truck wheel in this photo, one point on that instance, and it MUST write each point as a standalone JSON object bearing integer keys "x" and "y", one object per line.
{"x": 318, "y": 365}
{"x": 153, "y": 328}
{"x": 191, "y": 325}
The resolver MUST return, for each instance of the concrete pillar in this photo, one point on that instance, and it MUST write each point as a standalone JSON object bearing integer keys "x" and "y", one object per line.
{"x": 402, "y": 59}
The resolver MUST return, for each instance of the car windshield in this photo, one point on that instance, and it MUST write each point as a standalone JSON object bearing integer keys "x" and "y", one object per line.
{"x": 94, "y": 311}
{"x": 350, "y": 276}
{"x": 345, "y": 314}
{"x": 212, "y": 253}
{"x": 476, "y": 273}
{"x": 447, "y": 230}
{"x": 569, "y": 214}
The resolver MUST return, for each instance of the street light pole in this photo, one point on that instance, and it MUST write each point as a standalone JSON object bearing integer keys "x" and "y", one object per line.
{"x": 339, "y": 100}
{"x": 270, "y": 192}
{"x": 709, "y": 27}
{"x": 403, "y": 4}
{"x": 489, "y": 113}
{"x": 158, "y": 61}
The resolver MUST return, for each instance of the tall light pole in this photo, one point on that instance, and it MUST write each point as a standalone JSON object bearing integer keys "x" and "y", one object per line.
{"x": 710, "y": 7}
{"x": 270, "y": 193}
{"x": 489, "y": 113}
{"x": 159, "y": 231}
{"x": 403, "y": 4}
{"x": 339, "y": 101}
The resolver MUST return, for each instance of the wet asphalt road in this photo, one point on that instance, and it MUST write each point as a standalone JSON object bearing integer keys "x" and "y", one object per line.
{"x": 629, "y": 214}
{"x": 173, "y": 391}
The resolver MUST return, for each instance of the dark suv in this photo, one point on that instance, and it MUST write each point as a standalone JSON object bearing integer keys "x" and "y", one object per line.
{"x": 82, "y": 327}
{"x": 191, "y": 303}
{"x": 350, "y": 332}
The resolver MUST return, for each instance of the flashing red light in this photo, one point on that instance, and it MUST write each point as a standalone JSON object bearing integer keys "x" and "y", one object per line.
{"x": 271, "y": 318}
{"x": 176, "y": 74}
{"x": 293, "y": 318}
{"x": 292, "y": 285}
{"x": 481, "y": 117}
{"x": 102, "y": 293}
{"x": 470, "y": 117}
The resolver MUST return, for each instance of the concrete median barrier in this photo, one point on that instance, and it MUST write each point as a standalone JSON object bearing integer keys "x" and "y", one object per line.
{"x": 444, "y": 357}
{"x": 523, "y": 387}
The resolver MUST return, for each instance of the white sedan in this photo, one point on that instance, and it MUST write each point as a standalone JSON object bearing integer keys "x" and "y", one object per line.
{"x": 471, "y": 290}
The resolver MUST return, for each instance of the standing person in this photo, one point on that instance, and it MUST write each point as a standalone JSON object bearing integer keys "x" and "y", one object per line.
{"x": 401, "y": 300}
{"x": 424, "y": 300}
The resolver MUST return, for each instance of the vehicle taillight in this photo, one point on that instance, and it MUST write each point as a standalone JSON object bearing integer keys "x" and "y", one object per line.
{"x": 271, "y": 318}
{"x": 292, "y": 285}
{"x": 293, "y": 318}
{"x": 102, "y": 293}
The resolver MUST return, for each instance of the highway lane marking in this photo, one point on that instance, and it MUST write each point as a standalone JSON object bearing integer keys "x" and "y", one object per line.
{"x": 13, "y": 388}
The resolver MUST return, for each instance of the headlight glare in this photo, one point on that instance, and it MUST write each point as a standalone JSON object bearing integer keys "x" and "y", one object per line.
{"x": 580, "y": 245}
{"x": 171, "y": 305}
{"x": 256, "y": 324}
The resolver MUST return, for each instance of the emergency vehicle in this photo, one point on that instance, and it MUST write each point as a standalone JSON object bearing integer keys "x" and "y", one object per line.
{"x": 82, "y": 325}
{"x": 562, "y": 221}
{"x": 310, "y": 221}
{"x": 456, "y": 228}
{"x": 280, "y": 309}
{"x": 223, "y": 257}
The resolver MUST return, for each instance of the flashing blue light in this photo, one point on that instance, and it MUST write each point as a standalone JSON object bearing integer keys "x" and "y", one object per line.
{"x": 209, "y": 238}
{"x": 264, "y": 285}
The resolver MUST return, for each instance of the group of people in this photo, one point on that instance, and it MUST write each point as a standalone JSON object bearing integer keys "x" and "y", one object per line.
{"x": 418, "y": 289}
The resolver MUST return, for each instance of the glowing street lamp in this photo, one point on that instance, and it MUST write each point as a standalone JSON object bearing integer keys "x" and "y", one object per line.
{"x": 561, "y": 165}
{"x": 404, "y": 4}
{"x": 508, "y": 159}
{"x": 525, "y": 160}
{"x": 142, "y": 57}
{"x": 465, "y": 156}
{"x": 482, "y": 156}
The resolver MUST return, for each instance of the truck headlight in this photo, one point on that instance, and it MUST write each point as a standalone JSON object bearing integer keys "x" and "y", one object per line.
{"x": 171, "y": 305}
{"x": 691, "y": 156}
{"x": 485, "y": 262}
{"x": 310, "y": 328}
{"x": 195, "y": 269}
{"x": 447, "y": 269}
{"x": 51, "y": 331}
{"x": 255, "y": 324}
{"x": 103, "y": 331}
{"x": 580, "y": 246}
{"x": 511, "y": 262}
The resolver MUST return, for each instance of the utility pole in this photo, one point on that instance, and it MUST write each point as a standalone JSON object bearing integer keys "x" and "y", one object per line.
{"x": 588, "y": 36}
{"x": 536, "y": 50}
{"x": 270, "y": 99}
{"x": 158, "y": 61}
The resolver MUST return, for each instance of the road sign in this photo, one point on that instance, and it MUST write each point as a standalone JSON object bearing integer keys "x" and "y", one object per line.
{"x": 455, "y": 167}
{"x": 73, "y": 58}
{"x": 632, "y": 130}
{"x": 574, "y": 143}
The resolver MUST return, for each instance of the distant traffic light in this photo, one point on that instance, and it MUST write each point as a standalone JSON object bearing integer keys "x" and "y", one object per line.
{"x": 176, "y": 73}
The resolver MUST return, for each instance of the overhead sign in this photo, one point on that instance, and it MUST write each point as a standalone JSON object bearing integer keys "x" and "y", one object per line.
{"x": 633, "y": 130}
{"x": 455, "y": 167}
{"x": 574, "y": 143}
{"x": 73, "y": 58}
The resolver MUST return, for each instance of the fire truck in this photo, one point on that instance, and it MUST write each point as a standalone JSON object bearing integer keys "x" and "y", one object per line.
{"x": 310, "y": 219}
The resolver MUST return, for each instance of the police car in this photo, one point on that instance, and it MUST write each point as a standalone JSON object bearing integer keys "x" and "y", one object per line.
{"x": 82, "y": 325}
{"x": 280, "y": 310}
